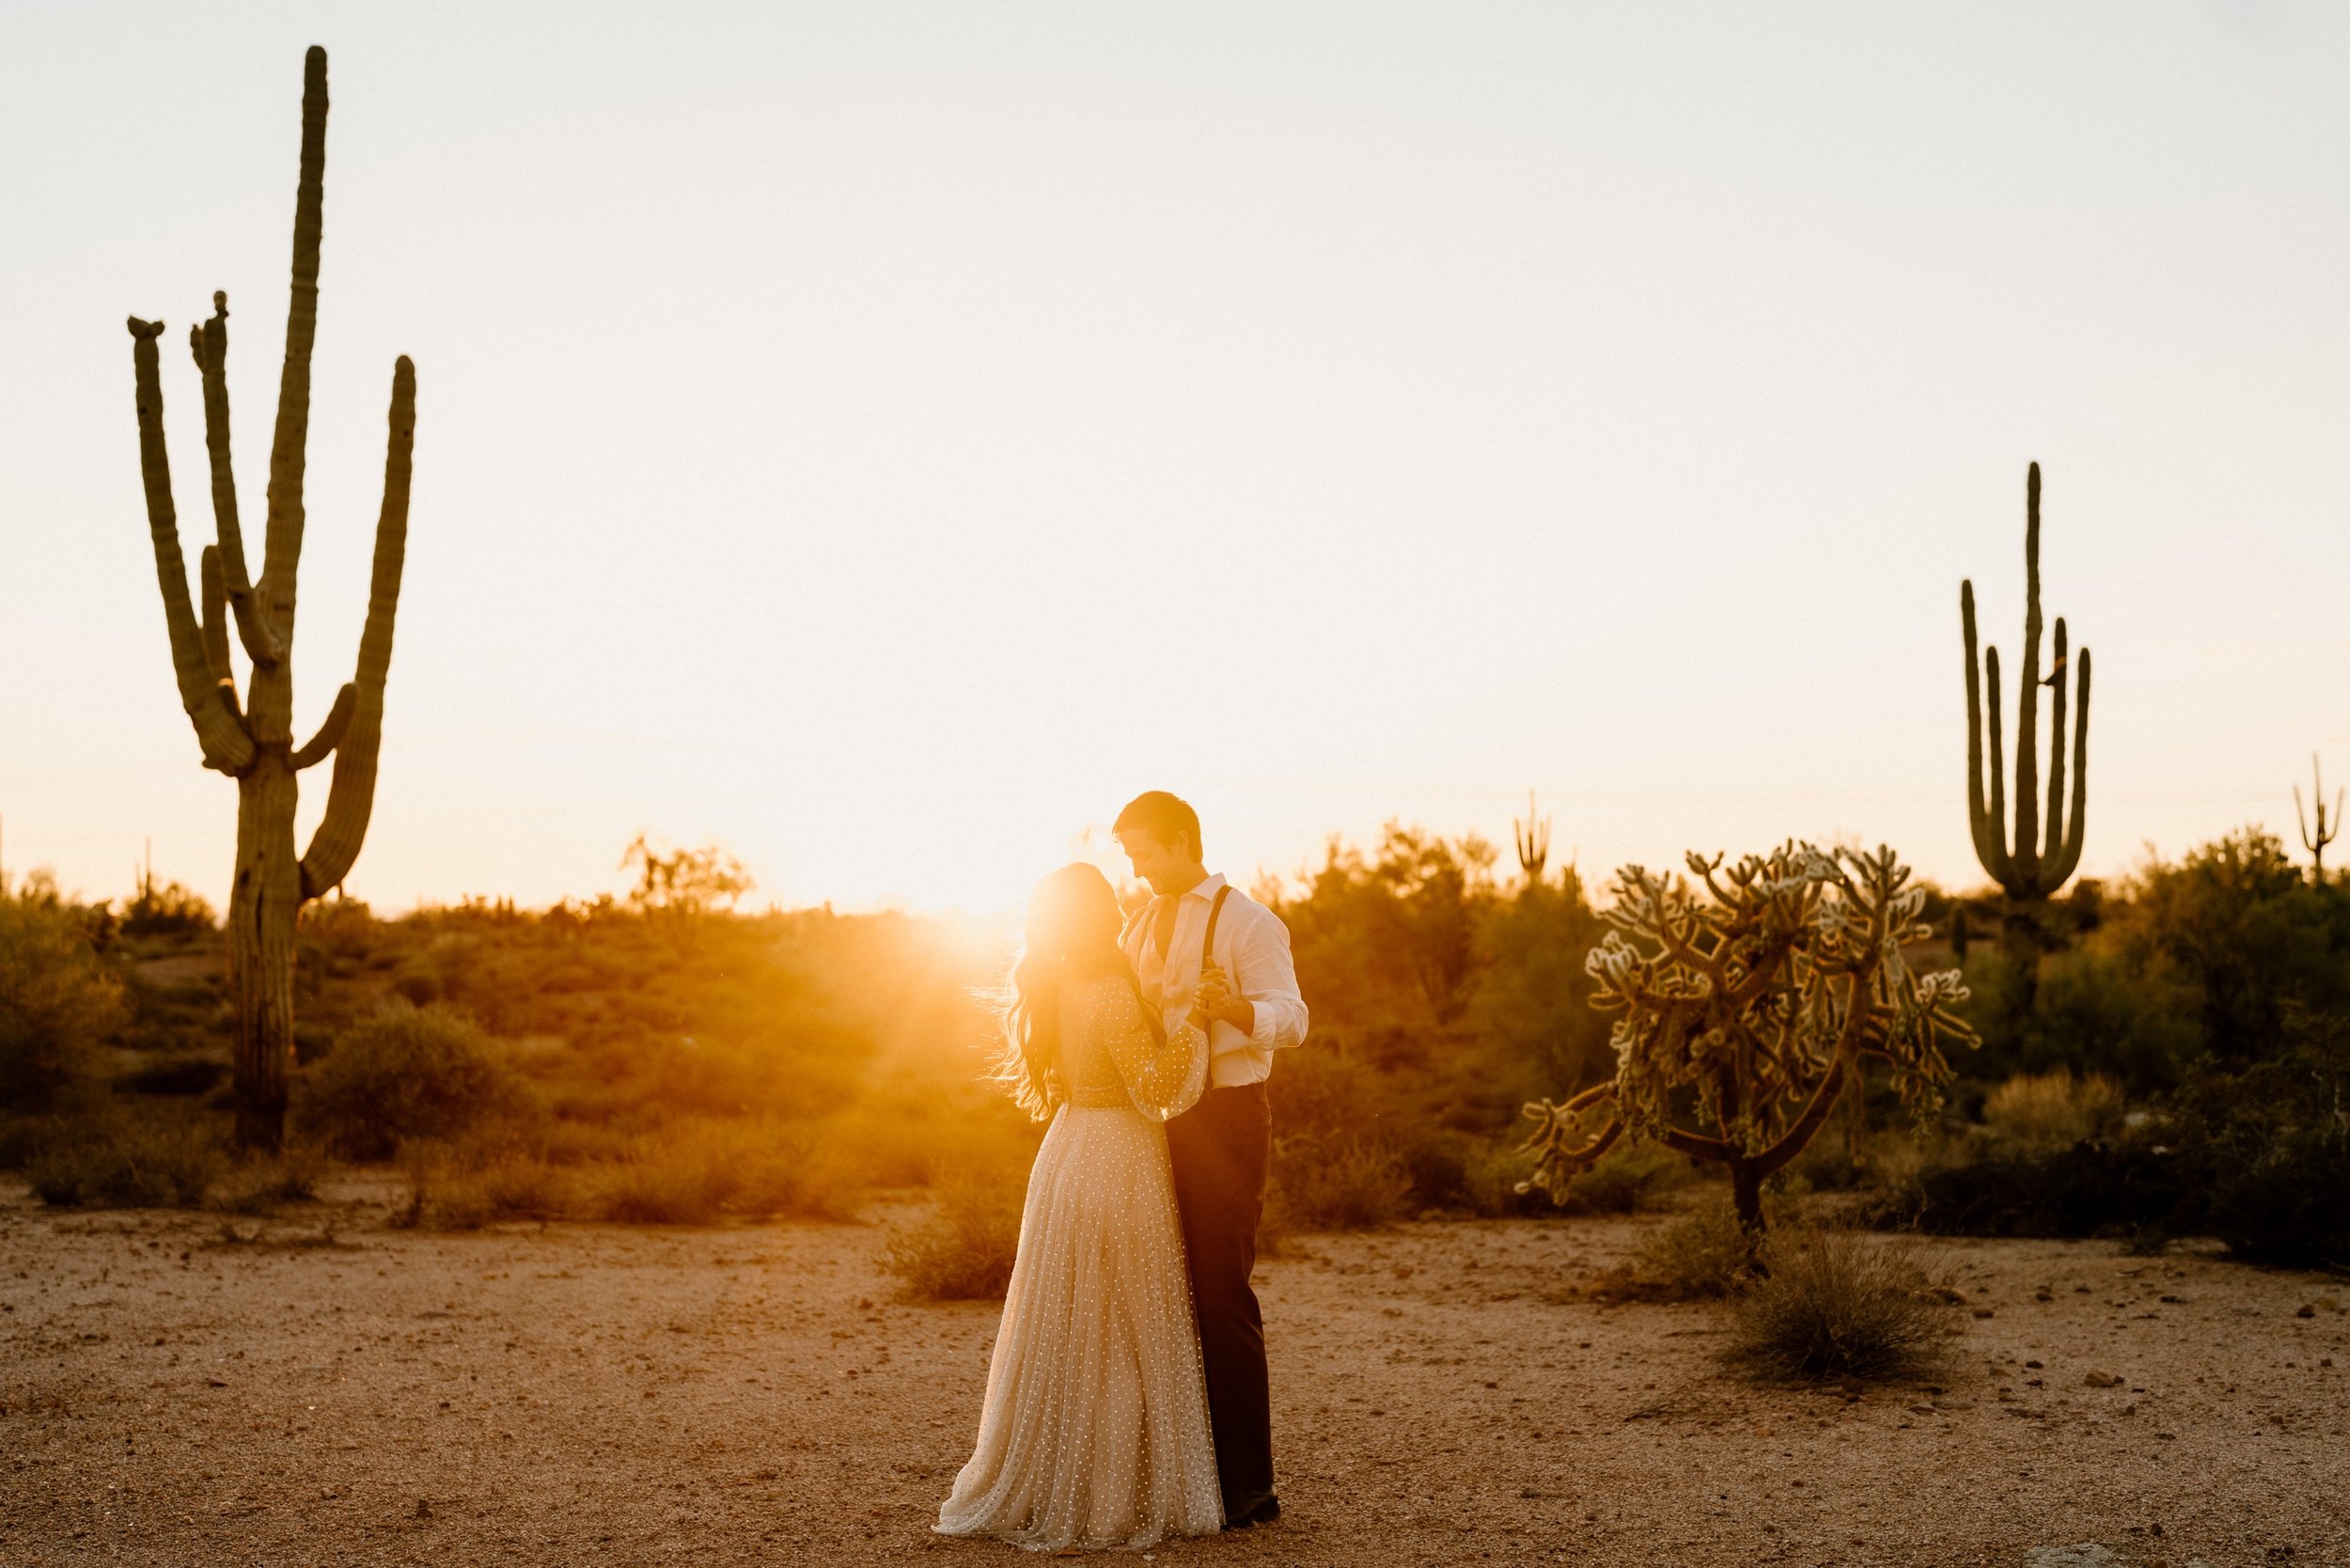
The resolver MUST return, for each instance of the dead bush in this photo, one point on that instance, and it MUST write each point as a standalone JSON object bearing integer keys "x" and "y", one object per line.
{"x": 1703, "y": 1253}
{"x": 964, "y": 1250}
{"x": 1839, "y": 1303}
{"x": 269, "y": 1182}
{"x": 664, "y": 1185}
{"x": 2048, "y": 1112}
{"x": 1336, "y": 1182}
{"x": 109, "y": 1157}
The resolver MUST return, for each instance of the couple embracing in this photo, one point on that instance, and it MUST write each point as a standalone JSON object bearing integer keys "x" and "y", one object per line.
{"x": 1127, "y": 1396}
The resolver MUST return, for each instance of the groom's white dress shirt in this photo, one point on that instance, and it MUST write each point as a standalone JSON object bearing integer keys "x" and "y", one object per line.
{"x": 1253, "y": 945}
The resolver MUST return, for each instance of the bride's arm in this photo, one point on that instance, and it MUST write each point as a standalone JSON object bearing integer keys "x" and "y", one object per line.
{"x": 1166, "y": 1079}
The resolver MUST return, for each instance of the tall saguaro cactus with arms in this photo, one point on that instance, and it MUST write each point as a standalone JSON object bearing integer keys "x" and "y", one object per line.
{"x": 2032, "y": 867}
{"x": 252, "y": 741}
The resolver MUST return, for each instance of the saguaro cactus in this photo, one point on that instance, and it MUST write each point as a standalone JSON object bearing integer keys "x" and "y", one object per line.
{"x": 1532, "y": 837}
{"x": 2327, "y": 827}
{"x": 252, "y": 741}
{"x": 2031, "y": 869}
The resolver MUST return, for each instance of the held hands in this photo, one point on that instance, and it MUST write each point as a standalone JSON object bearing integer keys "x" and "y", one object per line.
{"x": 1215, "y": 1000}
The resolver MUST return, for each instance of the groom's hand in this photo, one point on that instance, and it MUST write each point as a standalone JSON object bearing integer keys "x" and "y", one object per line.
{"x": 1216, "y": 998}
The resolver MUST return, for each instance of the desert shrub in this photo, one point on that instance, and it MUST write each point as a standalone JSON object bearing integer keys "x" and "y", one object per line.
{"x": 515, "y": 1187}
{"x": 1491, "y": 1171}
{"x": 2257, "y": 1155}
{"x": 1532, "y": 996}
{"x": 1701, "y": 1253}
{"x": 108, "y": 1156}
{"x": 2045, "y": 1112}
{"x": 2125, "y": 1186}
{"x": 1837, "y": 1304}
{"x": 59, "y": 1002}
{"x": 1336, "y": 1182}
{"x": 167, "y": 910}
{"x": 2109, "y": 1007}
{"x": 799, "y": 1174}
{"x": 262, "y": 1186}
{"x": 1828, "y": 1164}
{"x": 177, "y": 1076}
{"x": 694, "y": 1171}
{"x": 1389, "y": 939}
{"x": 663, "y": 1186}
{"x": 2270, "y": 1150}
{"x": 405, "y": 1072}
{"x": 2205, "y": 956}
{"x": 964, "y": 1250}
{"x": 1629, "y": 1177}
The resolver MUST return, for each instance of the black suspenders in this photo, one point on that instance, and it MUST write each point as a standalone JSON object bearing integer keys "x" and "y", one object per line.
{"x": 1216, "y": 912}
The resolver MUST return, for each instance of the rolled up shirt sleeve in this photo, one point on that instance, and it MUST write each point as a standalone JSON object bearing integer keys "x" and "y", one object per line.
{"x": 1268, "y": 978}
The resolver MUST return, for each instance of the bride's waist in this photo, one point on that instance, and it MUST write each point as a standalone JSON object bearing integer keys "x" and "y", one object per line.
{"x": 1100, "y": 1097}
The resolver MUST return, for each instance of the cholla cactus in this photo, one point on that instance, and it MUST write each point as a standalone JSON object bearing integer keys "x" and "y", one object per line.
{"x": 1749, "y": 1009}
{"x": 252, "y": 741}
{"x": 2327, "y": 827}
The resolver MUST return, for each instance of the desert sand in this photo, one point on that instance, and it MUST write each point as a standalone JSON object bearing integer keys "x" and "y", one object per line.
{"x": 320, "y": 1388}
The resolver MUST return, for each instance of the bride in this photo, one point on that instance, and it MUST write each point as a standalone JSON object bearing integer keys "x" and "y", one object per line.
{"x": 1095, "y": 1427}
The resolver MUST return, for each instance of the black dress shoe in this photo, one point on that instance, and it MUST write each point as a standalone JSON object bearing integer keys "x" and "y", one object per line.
{"x": 1262, "y": 1511}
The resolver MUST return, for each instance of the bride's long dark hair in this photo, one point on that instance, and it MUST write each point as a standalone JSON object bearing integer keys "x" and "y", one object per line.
{"x": 1071, "y": 935}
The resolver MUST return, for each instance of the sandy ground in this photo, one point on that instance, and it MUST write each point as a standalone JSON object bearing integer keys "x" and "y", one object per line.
{"x": 169, "y": 1394}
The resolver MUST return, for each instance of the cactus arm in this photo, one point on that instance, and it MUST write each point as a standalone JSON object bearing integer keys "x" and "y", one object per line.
{"x": 228, "y": 748}
{"x": 1697, "y": 1146}
{"x": 350, "y": 798}
{"x": 209, "y": 342}
{"x": 2070, "y": 861}
{"x": 2001, "y": 866}
{"x": 2026, "y": 853}
{"x": 282, "y": 549}
{"x": 331, "y": 733}
{"x": 2058, "y": 675}
{"x": 215, "y": 621}
{"x": 1859, "y": 1012}
{"x": 1982, "y": 821}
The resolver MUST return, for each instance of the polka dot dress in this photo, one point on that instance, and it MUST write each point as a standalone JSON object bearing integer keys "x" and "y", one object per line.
{"x": 1095, "y": 1427}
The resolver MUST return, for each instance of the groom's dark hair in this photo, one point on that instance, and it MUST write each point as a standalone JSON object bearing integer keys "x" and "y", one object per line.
{"x": 1165, "y": 816}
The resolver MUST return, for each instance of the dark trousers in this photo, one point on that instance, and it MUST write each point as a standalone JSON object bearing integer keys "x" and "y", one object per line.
{"x": 1221, "y": 1148}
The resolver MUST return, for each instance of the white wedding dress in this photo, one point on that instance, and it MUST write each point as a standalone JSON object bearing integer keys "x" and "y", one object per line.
{"x": 1095, "y": 1427}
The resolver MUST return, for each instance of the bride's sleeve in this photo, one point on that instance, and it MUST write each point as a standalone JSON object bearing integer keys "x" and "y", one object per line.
{"x": 1165, "y": 1079}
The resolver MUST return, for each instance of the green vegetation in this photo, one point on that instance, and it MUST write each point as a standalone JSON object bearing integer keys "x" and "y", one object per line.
{"x": 2183, "y": 1069}
{"x": 59, "y": 999}
{"x": 405, "y": 1072}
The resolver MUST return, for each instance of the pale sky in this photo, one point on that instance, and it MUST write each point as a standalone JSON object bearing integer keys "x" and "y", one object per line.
{"x": 884, "y": 438}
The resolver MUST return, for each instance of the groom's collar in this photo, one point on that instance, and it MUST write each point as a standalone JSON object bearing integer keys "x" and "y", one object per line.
{"x": 1206, "y": 887}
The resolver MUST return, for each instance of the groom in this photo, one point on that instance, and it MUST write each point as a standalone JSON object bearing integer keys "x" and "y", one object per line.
{"x": 1199, "y": 935}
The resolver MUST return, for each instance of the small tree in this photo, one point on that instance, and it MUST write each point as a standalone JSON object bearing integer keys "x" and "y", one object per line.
{"x": 1748, "y": 1010}
{"x": 677, "y": 889}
